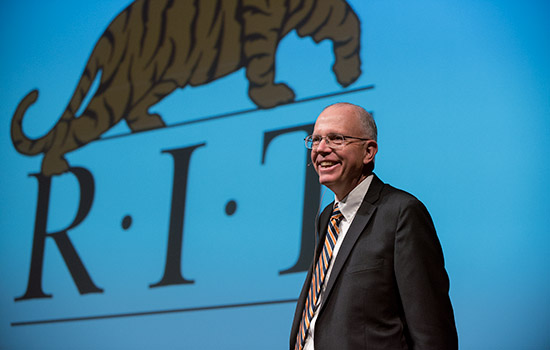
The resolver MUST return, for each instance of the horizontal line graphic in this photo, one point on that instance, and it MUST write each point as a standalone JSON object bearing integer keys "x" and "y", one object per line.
{"x": 244, "y": 111}
{"x": 150, "y": 313}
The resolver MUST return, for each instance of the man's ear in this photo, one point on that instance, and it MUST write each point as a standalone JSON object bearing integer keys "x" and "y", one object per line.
{"x": 371, "y": 148}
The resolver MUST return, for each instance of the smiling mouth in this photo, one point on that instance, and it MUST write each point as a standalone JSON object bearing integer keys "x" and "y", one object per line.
{"x": 327, "y": 164}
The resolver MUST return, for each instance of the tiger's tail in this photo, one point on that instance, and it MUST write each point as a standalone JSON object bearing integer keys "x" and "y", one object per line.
{"x": 21, "y": 142}
{"x": 25, "y": 145}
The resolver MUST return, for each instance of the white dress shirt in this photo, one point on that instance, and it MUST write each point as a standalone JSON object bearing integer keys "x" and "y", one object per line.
{"x": 348, "y": 207}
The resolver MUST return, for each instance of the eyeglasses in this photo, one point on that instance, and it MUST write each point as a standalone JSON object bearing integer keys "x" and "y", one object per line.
{"x": 334, "y": 141}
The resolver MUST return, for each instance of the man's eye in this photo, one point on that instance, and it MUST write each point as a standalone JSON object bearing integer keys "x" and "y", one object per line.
{"x": 316, "y": 139}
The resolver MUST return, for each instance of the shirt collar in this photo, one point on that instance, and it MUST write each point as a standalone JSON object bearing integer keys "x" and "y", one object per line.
{"x": 351, "y": 203}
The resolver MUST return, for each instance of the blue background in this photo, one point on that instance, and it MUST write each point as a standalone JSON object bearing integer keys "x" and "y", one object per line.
{"x": 462, "y": 103}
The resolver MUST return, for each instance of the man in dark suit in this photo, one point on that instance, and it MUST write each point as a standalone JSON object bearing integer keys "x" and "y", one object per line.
{"x": 378, "y": 279}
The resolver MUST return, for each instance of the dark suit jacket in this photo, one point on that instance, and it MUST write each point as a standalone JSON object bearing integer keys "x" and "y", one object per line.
{"x": 388, "y": 288}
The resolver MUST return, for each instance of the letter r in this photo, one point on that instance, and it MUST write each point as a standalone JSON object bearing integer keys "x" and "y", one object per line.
{"x": 78, "y": 272}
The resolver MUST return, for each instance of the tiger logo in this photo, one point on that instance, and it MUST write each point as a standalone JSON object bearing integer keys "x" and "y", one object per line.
{"x": 153, "y": 47}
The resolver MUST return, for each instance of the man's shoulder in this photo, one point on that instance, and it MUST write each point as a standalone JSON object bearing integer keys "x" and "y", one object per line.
{"x": 397, "y": 203}
{"x": 394, "y": 195}
{"x": 389, "y": 190}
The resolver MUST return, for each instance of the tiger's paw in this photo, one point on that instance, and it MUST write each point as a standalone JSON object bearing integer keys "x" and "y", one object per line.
{"x": 145, "y": 122}
{"x": 347, "y": 70}
{"x": 269, "y": 96}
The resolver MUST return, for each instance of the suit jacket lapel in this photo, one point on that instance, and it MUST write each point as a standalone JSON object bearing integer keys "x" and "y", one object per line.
{"x": 364, "y": 214}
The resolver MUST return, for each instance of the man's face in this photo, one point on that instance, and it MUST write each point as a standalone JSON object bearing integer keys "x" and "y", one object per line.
{"x": 341, "y": 169}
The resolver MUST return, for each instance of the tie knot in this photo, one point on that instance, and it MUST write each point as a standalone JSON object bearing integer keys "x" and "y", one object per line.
{"x": 336, "y": 213}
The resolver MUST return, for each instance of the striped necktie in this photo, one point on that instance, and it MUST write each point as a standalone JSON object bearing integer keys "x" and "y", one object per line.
{"x": 319, "y": 277}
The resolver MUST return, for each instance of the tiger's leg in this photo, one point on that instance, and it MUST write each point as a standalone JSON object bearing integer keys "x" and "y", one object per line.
{"x": 261, "y": 28}
{"x": 139, "y": 118}
{"x": 336, "y": 21}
